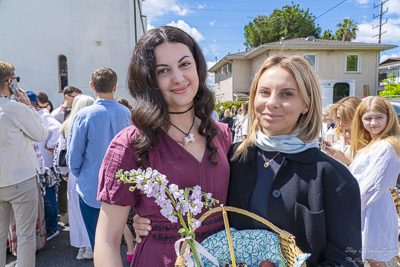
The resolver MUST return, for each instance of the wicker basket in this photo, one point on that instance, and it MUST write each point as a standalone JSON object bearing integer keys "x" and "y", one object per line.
{"x": 288, "y": 245}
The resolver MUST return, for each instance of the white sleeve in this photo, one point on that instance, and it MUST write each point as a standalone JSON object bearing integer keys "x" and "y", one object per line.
{"x": 379, "y": 175}
{"x": 245, "y": 126}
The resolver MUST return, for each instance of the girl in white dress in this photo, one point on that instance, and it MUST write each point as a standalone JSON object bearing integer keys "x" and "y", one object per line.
{"x": 77, "y": 231}
{"x": 375, "y": 146}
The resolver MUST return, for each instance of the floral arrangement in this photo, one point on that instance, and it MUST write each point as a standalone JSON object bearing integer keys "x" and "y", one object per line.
{"x": 176, "y": 204}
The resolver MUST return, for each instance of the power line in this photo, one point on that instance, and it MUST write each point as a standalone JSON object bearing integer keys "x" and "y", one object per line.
{"x": 330, "y": 9}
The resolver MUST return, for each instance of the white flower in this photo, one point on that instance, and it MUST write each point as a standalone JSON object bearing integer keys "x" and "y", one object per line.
{"x": 195, "y": 224}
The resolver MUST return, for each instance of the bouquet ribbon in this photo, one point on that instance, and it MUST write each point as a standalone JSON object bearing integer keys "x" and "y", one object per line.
{"x": 199, "y": 249}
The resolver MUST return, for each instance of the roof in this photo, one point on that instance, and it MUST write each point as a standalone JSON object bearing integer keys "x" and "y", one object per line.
{"x": 300, "y": 44}
{"x": 390, "y": 61}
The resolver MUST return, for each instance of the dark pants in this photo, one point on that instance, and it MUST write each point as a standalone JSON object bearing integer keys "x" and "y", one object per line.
{"x": 50, "y": 208}
{"x": 62, "y": 197}
{"x": 90, "y": 216}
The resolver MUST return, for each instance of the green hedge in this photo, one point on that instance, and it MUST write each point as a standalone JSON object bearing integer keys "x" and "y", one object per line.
{"x": 228, "y": 105}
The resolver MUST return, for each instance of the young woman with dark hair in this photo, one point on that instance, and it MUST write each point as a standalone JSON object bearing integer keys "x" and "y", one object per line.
{"x": 173, "y": 132}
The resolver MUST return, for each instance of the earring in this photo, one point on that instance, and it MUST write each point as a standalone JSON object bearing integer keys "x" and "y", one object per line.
{"x": 304, "y": 113}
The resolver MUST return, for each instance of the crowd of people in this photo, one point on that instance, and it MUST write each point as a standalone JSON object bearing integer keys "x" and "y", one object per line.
{"x": 50, "y": 163}
{"x": 326, "y": 182}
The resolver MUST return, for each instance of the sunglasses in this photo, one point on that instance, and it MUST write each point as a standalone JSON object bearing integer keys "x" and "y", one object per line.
{"x": 42, "y": 107}
{"x": 14, "y": 78}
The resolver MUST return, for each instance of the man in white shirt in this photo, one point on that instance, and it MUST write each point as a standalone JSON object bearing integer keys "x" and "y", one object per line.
{"x": 52, "y": 181}
{"x": 20, "y": 124}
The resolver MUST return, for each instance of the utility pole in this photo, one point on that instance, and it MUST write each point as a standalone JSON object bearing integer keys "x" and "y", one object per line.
{"x": 380, "y": 19}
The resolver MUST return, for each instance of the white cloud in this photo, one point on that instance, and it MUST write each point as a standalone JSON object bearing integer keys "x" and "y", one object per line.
{"x": 210, "y": 64}
{"x": 393, "y": 7}
{"x": 185, "y": 27}
{"x": 365, "y": 33}
{"x": 155, "y": 8}
{"x": 181, "y": 11}
{"x": 202, "y": 6}
{"x": 205, "y": 51}
{"x": 384, "y": 57}
{"x": 150, "y": 27}
{"x": 211, "y": 76}
{"x": 392, "y": 34}
{"x": 212, "y": 22}
{"x": 363, "y": 2}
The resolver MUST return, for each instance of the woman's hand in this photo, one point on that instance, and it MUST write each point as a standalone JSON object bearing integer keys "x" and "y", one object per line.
{"x": 142, "y": 227}
{"x": 337, "y": 154}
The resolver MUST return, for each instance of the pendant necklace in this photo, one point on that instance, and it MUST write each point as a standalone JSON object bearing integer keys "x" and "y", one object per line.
{"x": 189, "y": 137}
{"x": 267, "y": 163}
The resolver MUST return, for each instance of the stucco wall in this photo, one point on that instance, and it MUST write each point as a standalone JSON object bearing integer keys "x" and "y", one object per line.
{"x": 223, "y": 89}
{"x": 332, "y": 66}
{"x": 40, "y": 31}
{"x": 241, "y": 76}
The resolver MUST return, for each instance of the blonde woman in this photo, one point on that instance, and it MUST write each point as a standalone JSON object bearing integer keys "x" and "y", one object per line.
{"x": 375, "y": 146}
{"x": 78, "y": 235}
{"x": 280, "y": 174}
{"x": 339, "y": 144}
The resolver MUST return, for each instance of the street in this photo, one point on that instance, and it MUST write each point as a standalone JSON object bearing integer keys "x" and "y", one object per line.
{"x": 58, "y": 252}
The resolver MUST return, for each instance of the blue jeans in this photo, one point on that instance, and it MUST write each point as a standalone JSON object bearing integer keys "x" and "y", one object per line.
{"x": 50, "y": 209}
{"x": 90, "y": 216}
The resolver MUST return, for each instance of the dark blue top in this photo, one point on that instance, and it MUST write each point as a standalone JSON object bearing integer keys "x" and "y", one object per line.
{"x": 264, "y": 178}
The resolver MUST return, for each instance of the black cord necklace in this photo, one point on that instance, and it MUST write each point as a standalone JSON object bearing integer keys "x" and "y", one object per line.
{"x": 189, "y": 137}
{"x": 181, "y": 112}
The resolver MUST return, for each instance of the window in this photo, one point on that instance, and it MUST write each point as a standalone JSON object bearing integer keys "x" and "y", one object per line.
{"x": 312, "y": 60}
{"x": 382, "y": 76}
{"x": 62, "y": 72}
{"x": 340, "y": 90}
{"x": 230, "y": 68}
{"x": 226, "y": 69}
{"x": 353, "y": 63}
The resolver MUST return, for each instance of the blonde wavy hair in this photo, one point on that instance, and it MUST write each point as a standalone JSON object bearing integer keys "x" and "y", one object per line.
{"x": 309, "y": 125}
{"x": 361, "y": 139}
{"x": 345, "y": 109}
{"x": 80, "y": 101}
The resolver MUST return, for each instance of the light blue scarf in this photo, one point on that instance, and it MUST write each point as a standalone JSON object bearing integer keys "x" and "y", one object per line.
{"x": 289, "y": 144}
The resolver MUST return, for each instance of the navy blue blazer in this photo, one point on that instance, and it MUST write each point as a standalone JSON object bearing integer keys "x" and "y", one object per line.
{"x": 313, "y": 197}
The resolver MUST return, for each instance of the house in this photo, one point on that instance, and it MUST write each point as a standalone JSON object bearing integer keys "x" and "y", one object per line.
{"x": 344, "y": 68}
{"x": 57, "y": 43}
{"x": 389, "y": 66}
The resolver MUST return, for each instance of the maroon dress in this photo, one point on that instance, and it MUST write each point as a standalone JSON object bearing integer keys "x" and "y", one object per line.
{"x": 181, "y": 168}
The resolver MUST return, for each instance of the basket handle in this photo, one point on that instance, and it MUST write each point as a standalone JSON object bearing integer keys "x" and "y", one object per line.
{"x": 180, "y": 262}
{"x": 282, "y": 233}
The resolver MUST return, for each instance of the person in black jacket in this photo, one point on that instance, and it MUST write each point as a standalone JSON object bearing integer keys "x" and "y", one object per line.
{"x": 279, "y": 173}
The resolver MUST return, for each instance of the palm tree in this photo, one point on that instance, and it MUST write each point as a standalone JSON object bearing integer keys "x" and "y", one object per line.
{"x": 347, "y": 30}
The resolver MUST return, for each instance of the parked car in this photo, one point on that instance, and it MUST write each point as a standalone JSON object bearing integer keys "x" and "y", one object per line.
{"x": 396, "y": 105}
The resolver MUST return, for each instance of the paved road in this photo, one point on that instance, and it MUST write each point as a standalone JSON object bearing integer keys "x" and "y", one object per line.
{"x": 59, "y": 253}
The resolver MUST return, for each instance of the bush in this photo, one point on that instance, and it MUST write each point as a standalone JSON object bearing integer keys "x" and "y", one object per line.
{"x": 392, "y": 88}
{"x": 228, "y": 105}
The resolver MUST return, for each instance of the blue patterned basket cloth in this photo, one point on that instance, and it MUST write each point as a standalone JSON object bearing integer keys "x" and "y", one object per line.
{"x": 250, "y": 247}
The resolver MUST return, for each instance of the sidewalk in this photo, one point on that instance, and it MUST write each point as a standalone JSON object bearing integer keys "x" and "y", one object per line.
{"x": 58, "y": 252}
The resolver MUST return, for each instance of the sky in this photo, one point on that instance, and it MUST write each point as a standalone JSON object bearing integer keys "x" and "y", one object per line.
{"x": 218, "y": 25}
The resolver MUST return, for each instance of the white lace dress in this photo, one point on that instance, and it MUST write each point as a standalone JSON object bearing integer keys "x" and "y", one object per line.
{"x": 376, "y": 170}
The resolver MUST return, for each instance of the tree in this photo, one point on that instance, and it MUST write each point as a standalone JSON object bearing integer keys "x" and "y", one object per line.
{"x": 290, "y": 22}
{"x": 391, "y": 88}
{"x": 347, "y": 30}
{"x": 328, "y": 35}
